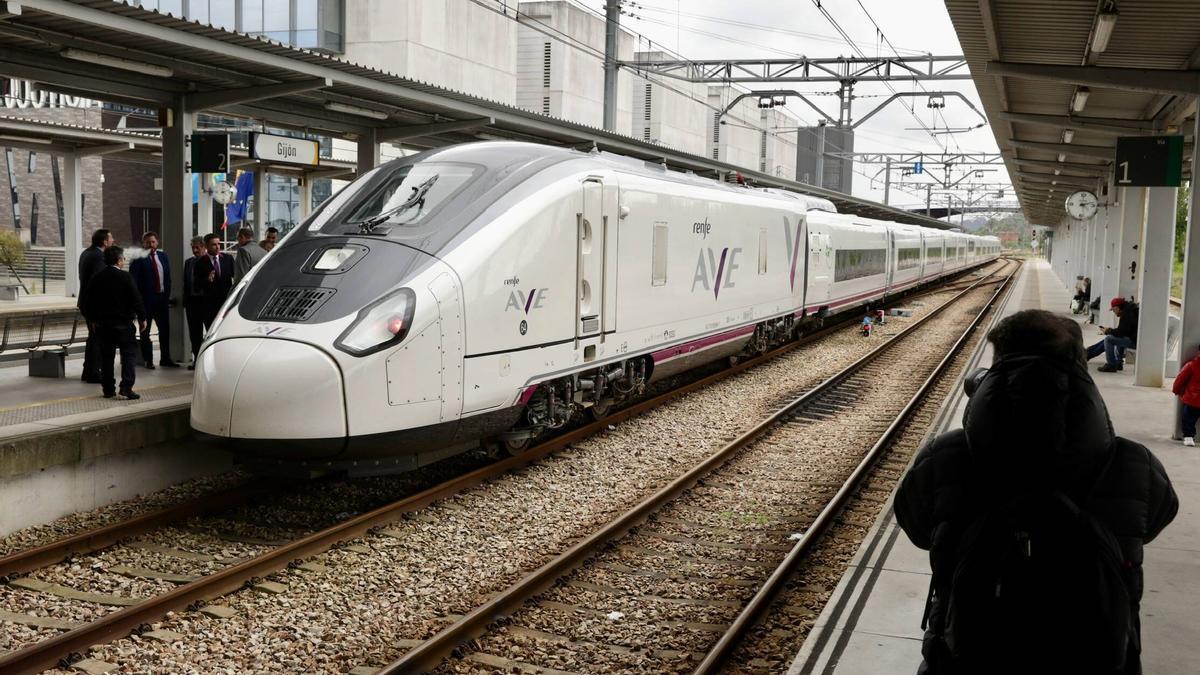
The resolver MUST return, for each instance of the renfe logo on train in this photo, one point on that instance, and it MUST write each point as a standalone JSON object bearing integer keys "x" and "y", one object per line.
{"x": 710, "y": 266}
{"x": 702, "y": 229}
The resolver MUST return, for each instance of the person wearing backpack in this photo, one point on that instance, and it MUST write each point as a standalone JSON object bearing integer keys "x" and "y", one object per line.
{"x": 1034, "y": 515}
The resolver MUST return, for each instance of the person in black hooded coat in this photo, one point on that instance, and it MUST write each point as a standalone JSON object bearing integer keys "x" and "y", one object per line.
{"x": 1035, "y": 421}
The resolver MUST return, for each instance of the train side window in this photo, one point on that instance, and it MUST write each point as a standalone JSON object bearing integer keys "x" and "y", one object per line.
{"x": 762, "y": 250}
{"x": 658, "y": 272}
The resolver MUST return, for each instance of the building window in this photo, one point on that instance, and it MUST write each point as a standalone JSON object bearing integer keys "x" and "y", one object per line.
{"x": 12, "y": 188}
{"x": 308, "y": 25}
{"x": 250, "y": 16}
{"x": 33, "y": 221}
{"x": 277, "y": 21}
{"x": 311, "y": 24}
{"x": 222, "y": 14}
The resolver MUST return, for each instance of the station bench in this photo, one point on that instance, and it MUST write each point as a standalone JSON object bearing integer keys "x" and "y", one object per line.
{"x": 44, "y": 338}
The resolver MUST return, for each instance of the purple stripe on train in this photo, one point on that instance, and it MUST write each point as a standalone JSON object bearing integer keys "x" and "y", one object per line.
{"x": 688, "y": 347}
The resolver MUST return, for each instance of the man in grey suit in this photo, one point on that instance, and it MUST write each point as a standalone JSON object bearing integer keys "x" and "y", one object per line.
{"x": 91, "y": 261}
{"x": 246, "y": 254}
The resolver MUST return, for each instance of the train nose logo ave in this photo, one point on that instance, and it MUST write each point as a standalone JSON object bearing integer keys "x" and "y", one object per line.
{"x": 718, "y": 268}
{"x": 523, "y": 302}
{"x": 793, "y": 249}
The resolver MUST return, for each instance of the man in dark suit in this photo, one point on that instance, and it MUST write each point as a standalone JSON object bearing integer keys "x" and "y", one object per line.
{"x": 111, "y": 303}
{"x": 91, "y": 261}
{"x": 193, "y": 299}
{"x": 152, "y": 274}
{"x": 214, "y": 277}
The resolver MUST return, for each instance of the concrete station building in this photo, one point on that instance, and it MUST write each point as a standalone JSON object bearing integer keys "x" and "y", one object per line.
{"x": 543, "y": 56}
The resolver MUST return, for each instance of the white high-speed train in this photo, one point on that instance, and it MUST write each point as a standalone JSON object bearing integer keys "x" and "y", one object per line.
{"x": 490, "y": 291}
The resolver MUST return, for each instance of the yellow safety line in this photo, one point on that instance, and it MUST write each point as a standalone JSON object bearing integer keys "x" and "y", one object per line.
{"x": 80, "y": 398}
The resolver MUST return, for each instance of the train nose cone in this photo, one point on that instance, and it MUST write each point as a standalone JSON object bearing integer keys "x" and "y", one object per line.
{"x": 267, "y": 388}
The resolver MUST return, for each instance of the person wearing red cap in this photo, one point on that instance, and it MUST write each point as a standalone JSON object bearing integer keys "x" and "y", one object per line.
{"x": 1117, "y": 340}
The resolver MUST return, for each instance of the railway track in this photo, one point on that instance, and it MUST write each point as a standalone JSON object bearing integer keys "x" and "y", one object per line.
{"x": 261, "y": 551}
{"x": 689, "y": 570}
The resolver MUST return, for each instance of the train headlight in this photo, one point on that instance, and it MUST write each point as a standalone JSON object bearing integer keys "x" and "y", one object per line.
{"x": 380, "y": 325}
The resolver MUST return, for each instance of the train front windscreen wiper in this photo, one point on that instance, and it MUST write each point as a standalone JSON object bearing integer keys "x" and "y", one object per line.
{"x": 417, "y": 199}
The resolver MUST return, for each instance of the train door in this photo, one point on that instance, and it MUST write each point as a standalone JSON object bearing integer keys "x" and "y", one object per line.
{"x": 819, "y": 270}
{"x": 924, "y": 255}
{"x": 893, "y": 261}
{"x": 590, "y": 259}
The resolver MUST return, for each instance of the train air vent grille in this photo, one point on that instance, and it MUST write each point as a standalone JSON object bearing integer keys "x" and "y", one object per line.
{"x": 294, "y": 304}
{"x": 590, "y": 324}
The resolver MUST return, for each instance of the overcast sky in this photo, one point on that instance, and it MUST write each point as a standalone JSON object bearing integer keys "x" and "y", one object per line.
{"x": 711, "y": 29}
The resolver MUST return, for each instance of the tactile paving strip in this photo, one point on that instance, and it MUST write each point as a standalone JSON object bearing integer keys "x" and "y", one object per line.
{"x": 73, "y": 406}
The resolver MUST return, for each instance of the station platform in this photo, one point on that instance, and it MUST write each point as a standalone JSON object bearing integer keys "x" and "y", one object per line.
{"x": 65, "y": 448}
{"x": 872, "y": 624}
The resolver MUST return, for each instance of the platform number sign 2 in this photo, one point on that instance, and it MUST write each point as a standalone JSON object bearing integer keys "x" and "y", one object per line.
{"x": 210, "y": 153}
{"x": 1149, "y": 161}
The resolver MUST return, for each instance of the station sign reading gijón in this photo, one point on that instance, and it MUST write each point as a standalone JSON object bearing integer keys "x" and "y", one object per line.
{"x": 284, "y": 149}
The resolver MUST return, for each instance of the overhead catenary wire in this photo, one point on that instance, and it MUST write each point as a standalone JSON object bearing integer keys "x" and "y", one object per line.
{"x": 759, "y": 27}
{"x": 837, "y": 26}
{"x": 533, "y": 23}
{"x": 678, "y": 56}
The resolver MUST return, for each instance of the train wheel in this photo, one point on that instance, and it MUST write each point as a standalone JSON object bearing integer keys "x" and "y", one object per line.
{"x": 513, "y": 447}
{"x": 601, "y": 409}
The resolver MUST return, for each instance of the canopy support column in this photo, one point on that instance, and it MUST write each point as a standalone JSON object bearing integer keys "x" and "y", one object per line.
{"x": 1133, "y": 214}
{"x": 177, "y": 225}
{"x": 72, "y": 188}
{"x": 1158, "y": 248}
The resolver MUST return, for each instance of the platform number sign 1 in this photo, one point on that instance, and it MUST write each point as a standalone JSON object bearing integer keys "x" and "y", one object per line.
{"x": 210, "y": 153}
{"x": 1149, "y": 161}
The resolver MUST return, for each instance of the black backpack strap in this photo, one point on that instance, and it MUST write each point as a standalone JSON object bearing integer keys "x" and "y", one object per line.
{"x": 928, "y": 605}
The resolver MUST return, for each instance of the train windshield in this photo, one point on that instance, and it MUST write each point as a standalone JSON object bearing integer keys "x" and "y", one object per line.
{"x": 401, "y": 200}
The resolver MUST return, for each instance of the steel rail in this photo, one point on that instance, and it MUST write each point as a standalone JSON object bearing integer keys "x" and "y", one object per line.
{"x": 102, "y": 537}
{"x": 720, "y": 653}
{"x": 430, "y": 653}
{"x": 50, "y": 652}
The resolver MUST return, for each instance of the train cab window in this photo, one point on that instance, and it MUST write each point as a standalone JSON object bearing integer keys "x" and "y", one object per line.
{"x": 762, "y": 250}
{"x": 658, "y": 272}
{"x": 857, "y": 263}
{"x": 405, "y": 198}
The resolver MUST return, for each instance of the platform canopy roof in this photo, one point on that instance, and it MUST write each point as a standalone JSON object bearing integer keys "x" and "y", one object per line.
{"x": 52, "y": 137}
{"x": 115, "y": 52}
{"x": 1061, "y": 80}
